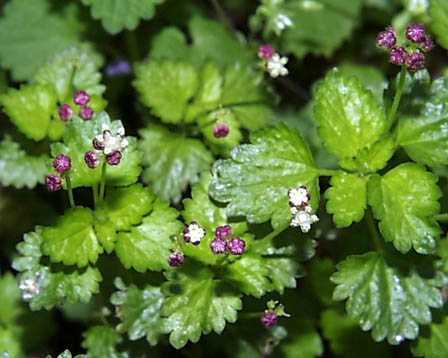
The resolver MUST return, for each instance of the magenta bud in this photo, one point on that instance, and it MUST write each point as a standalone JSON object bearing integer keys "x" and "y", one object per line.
{"x": 266, "y": 52}
{"x": 416, "y": 61}
{"x": 62, "y": 163}
{"x": 416, "y": 33}
{"x": 98, "y": 145}
{"x": 387, "y": 39}
{"x": 223, "y": 232}
{"x": 114, "y": 158}
{"x": 176, "y": 259}
{"x": 428, "y": 44}
{"x": 65, "y": 112}
{"x": 53, "y": 182}
{"x": 87, "y": 113}
{"x": 236, "y": 246}
{"x": 218, "y": 246}
{"x": 269, "y": 319}
{"x": 81, "y": 98}
{"x": 398, "y": 56}
{"x": 221, "y": 130}
{"x": 91, "y": 159}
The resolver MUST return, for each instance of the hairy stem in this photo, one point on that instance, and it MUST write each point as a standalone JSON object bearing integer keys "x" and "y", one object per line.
{"x": 70, "y": 191}
{"x": 103, "y": 181}
{"x": 373, "y": 231}
{"x": 397, "y": 99}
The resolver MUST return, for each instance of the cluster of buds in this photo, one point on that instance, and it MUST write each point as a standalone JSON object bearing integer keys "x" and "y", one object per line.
{"x": 225, "y": 243}
{"x": 62, "y": 164}
{"x": 108, "y": 144}
{"x": 301, "y": 210}
{"x": 81, "y": 99}
{"x": 194, "y": 233}
{"x": 271, "y": 315}
{"x": 412, "y": 53}
{"x": 273, "y": 62}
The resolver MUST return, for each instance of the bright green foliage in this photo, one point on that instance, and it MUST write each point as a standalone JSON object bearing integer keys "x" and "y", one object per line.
{"x": 306, "y": 34}
{"x": 30, "y": 33}
{"x": 304, "y": 341}
{"x": 350, "y": 118}
{"x": 10, "y": 308}
{"x": 116, "y": 15}
{"x": 77, "y": 140}
{"x": 72, "y": 240}
{"x": 18, "y": 169}
{"x": 197, "y": 304}
{"x": 9, "y": 344}
{"x": 405, "y": 201}
{"x": 147, "y": 246}
{"x": 347, "y": 198}
{"x": 173, "y": 161}
{"x": 434, "y": 345}
{"x": 383, "y": 298}
{"x": 101, "y": 341}
{"x": 256, "y": 180}
{"x": 139, "y": 311}
{"x": 438, "y": 10}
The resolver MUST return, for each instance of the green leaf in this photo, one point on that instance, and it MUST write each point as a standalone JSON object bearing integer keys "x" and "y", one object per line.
{"x": 434, "y": 345}
{"x": 347, "y": 198}
{"x": 18, "y": 169}
{"x": 197, "y": 304}
{"x": 405, "y": 201}
{"x": 77, "y": 140}
{"x": 30, "y": 108}
{"x": 147, "y": 246}
{"x": 172, "y": 161}
{"x": 10, "y": 343}
{"x": 350, "y": 118}
{"x": 101, "y": 341}
{"x": 30, "y": 34}
{"x": 256, "y": 180}
{"x": 438, "y": 11}
{"x": 139, "y": 311}
{"x": 383, "y": 298}
{"x": 303, "y": 341}
{"x": 72, "y": 240}
{"x": 10, "y": 308}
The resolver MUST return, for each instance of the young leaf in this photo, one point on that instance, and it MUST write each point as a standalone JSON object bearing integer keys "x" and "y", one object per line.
{"x": 102, "y": 341}
{"x": 434, "y": 345}
{"x": 139, "y": 311}
{"x": 173, "y": 161}
{"x": 405, "y": 201}
{"x": 383, "y": 298}
{"x": 438, "y": 11}
{"x": 10, "y": 308}
{"x": 255, "y": 182}
{"x": 18, "y": 169}
{"x": 347, "y": 198}
{"x": 147, "y": 246}
{"x": 72, "y": 240}
{"x": 197, "y": 304}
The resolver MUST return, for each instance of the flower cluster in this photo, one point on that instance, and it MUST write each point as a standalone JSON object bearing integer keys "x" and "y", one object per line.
{"x": 81, "y": 99}
{"x": 273, "y": 62}
{"x": 271, "y": 315}
{"x": 62, "y": 164}
{"x": 176, "y": 258}
{"x": 30, "y": 286}
{"x": 194, "y": 233}
{"x": 108, "y": 144}
{"x": 412, "y": 53}
{"x": 225, "y": 243}
{"x": 301, "y": 210}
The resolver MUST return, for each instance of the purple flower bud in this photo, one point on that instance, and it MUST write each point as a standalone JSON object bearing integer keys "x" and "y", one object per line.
{"x": 269, "y": 318}
{"x": 218, "y": 246}
{"x": 87, "y": 113}
{"x": 114, "y": 158}
{"x": 387, "y": 38}
{"x": 398, "y": 56}
{"x": 91, "y": 159}
{"x": 236, "y": 246}
{"x": 98, "y": 145}
{"x": 223, "y": 232}
{"x": 81, "y": 98}
{"x": 65, "y": 112}
{"x": 118, "y": 68}
{"x": 53, "y": 182}
{"x": 416, "y": 61}
{"x": 176, "y": 259}
{"x": 221, "y": 130}
{"x": 62, "y": 163}
{"x": 428, "y": 44}
{"x": 416, "y": 33}
{"x": 266, "y": 52}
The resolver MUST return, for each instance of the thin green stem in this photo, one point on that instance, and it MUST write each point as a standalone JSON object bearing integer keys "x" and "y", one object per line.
{"x": 373, "y": 231}
{"x": 103, "y": 181}
{"x": 70, "y": 191}
{"x": 250, "y": 315}
{"x": 95, "y": 194}
{"x": 327, "y": 172}
{"x": 132, "y": 44}
{"x": 442, "y": 217}
{"x": 222, "y": 14}
{"x": 397, "y": 99}
{"x": 275, "y": 232}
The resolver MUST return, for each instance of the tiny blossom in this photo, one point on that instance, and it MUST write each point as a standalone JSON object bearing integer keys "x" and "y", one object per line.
{"x": 194, "y": 233}
{"x": 387, "y": 38}
{"x": 218, "y": 246}
{"x": 111, "y": 142}
{"x": 118, "y": 68}
{"x": 53, "y": 182}
{"x": 398, "y": 56}
{"x": 30, "y": 287}
{"x": 98, "y": 145}
{"x": 65, "y": 112}
{"x": 221, "y": 130}
{"x": 269, "y": 318}
{"x": 176, "y": 259}
{"x": 81, "y": 98}
{"x": 304, "y": 219}
{"x": 428, "y": 44}
{"x": 276, "y": 66}
{"x": 87, "y": 113}
{"x": 91, "y": 159}
{"x": 416, "y": 61}
{"x": 282, "y": 22}
{"x": 416, "y": 33}
{"x": 62, "y": 163}
{"x": 114, "y": 158}
{"x": 223, "y": 232}
{"x": 299, "y": 197}
{"x": 236, "y": 246}
{"x": 266, "y": 52}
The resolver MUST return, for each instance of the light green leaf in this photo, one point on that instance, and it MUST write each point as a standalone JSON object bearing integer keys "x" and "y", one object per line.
{"x": 18, "y": 169}
{"x": 172, "y": 161}
{"x": 347, "y": 198}
{"x": 383, "y": 298}
{"x": 438, "y": 12}
{"x": 303, "y": 341}
{"x": 434, "y": 345}
{"x": 256, "y": 180}
{"x": 30, "y": 33}
{"x": 10, "y": 343}
{"x": 101, "y": 341}
{"x": 72, "y": 240}
{"x": 77, "y": 140}
{"x": 10, "y": 308}
{"x": 197, "y": 304}
{"x": 139, "y": 311}
{"x": 405, "y": 201}
{"x": 350, "y": 118}
{"x": 147, "y": 246}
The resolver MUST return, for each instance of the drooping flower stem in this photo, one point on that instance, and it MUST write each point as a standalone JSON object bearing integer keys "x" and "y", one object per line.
{"x": 103, "y": 181}
{"x": 70, "y": 191}
{"x": 397, "y": 99}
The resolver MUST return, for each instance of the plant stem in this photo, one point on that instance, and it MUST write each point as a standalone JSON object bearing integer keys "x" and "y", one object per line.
{"x": 442, "y": 217}
{"x": 327, "y": 172}
{"x": 275, "y": 233}
{"x": 373, "y": 231}
{"x": 70, "y": 191}
{"x": 132, "y": 45}
{"x": 398, "y": 93}
{"x": 95, "y": 194}
{"x": 103, "y": 181}
{"x": 222, "y": 14}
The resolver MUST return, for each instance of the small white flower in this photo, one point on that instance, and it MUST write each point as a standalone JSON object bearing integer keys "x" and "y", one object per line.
{"x": 30, "y": 287}
{"x": 298, "y": 196}
{"x": 282, "y": 22}
{"x": 194, "y": 233}
{"x": 112, "y": 142}
{"x": 304, "y": 219}
{"x": 276, "y": 66}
